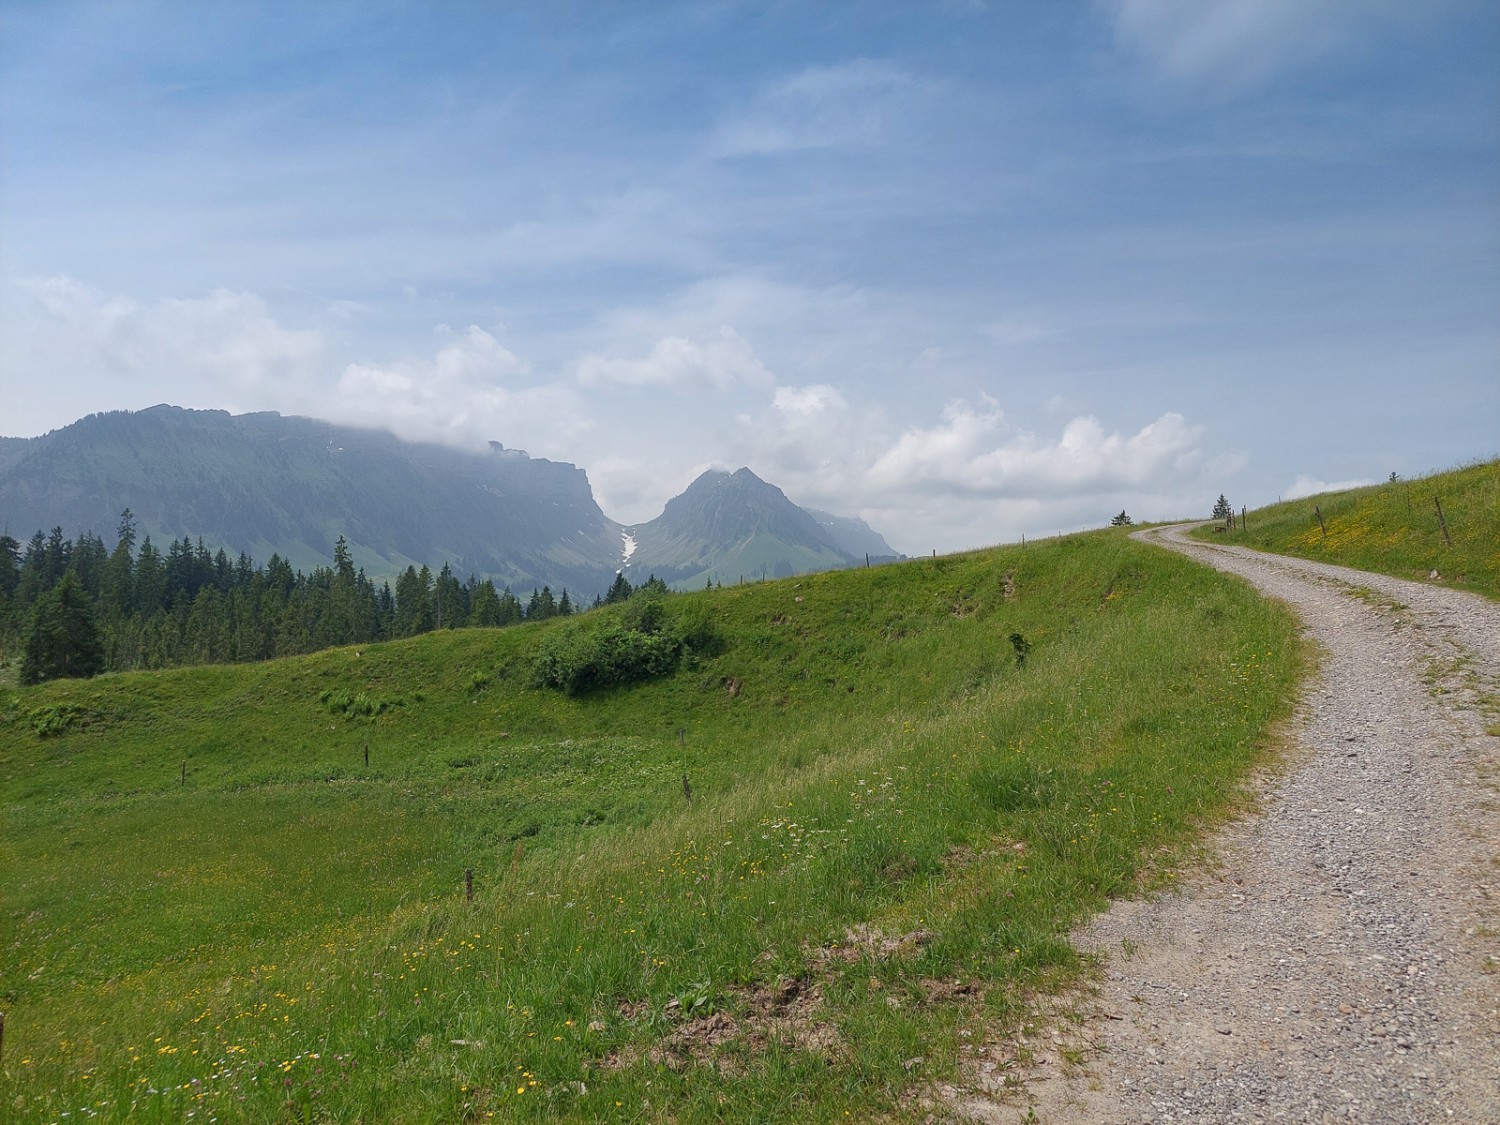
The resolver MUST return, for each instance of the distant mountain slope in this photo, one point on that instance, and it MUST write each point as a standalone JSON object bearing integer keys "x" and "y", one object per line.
{"x": 263, "y": 483}
{"x": 853, "y": 536}
{"x": 728, "y": 526}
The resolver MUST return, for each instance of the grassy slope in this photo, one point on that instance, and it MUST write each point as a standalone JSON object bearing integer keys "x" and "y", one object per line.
{"x": 1393, "y": 528}
{"x": 284, "y": 935}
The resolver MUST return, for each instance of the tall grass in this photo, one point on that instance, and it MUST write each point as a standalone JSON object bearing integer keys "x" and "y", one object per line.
{"x": 1392, "y": 528}
{"x": 754, "y": 890}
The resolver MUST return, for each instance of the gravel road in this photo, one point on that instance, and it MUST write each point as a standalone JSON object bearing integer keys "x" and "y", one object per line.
{"x": 1340, "y": 959}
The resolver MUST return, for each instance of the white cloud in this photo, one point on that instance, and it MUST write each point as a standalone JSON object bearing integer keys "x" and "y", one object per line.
{"x": 228, "y": 351}
{"x": 816, "y": 401}
{"x": 1306, "y": 485}
{"x": 224, "y": 335}
{"x": 971, "y": 454}
{"x": 100, "y": 352}
{"x": 720, "y": 360}
{"x": 838, "y": 106}
{"x": 971, "y": 477}
{"x": 458, "y": 396}
{"x": 1236, "y": 42}
{"x": 811, "y": 441}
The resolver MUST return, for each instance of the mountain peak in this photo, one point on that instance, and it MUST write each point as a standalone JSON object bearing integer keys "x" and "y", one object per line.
{"x": 732, "y": 525}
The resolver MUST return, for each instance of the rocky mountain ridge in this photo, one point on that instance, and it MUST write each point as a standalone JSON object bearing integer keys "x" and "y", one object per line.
{"x": 265, "y": 483}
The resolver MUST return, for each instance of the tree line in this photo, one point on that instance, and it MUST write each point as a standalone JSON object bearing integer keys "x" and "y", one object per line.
{"x": 188, "y": 605}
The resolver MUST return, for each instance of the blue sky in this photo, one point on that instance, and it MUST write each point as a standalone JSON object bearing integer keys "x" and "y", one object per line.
{"x": 969, "y": 270}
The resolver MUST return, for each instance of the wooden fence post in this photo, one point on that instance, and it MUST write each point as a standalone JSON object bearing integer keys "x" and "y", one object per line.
{"x": 468, "y": 884}
{"x": 1442, "y": 523}
{"x": 1243, "y": 525}
{"x": 1317, "y": 511}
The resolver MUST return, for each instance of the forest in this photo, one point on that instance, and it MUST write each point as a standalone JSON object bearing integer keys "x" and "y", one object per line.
{"x": 145, "y": 608}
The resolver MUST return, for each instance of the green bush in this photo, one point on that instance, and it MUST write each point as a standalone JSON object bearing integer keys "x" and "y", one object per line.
{"x": 582, "y": 661}
{"x": 645, "y": 642}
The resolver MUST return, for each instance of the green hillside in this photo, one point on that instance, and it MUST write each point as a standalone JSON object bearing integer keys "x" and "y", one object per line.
{"x": 755, "y": 559}
{"x": 1392, "y": 528}
{"x": 792, "y": 880}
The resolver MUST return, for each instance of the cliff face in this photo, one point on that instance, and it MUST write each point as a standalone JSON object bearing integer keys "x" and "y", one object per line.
{"x": 263, "y": 483}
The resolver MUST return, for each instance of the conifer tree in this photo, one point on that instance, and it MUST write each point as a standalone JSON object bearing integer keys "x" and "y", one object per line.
{"x": 64, "y": 639}
{"x": 485, "y": 609}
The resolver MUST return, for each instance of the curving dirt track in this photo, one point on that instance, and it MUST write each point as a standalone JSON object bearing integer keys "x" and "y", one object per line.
{"x": 1340, "y": 961}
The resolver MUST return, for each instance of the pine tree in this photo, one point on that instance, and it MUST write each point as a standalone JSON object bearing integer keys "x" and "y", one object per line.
{"x": 448, "y": 601}
{"x": 1122, "y": 520}
{"x": 542, "y": 605}
{"x": 118, "y": 589}
{"x": 510, "y": 607}
{"x": 1222, "y": 510}
{"x": 150, "y": 580}
{"x": 413, "y": 602}
{"x": 64, "y": 639}
{"x": 10, "y": 579}
{"x": 485, "y": 609}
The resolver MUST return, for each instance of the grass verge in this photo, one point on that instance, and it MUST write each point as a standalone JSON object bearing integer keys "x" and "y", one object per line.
{"x": 1392, "y": 528}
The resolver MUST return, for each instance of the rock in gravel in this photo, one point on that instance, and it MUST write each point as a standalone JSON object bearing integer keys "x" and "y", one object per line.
{"x": 1340, "y": 961}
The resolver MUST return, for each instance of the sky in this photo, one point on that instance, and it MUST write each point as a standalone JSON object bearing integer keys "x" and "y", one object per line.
{"x": 969, "y": 270}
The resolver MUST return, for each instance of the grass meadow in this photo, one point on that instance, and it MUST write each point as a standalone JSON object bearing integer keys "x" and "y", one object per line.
{"x": 1392, "y": 528}
{"x": 792, "y": 881}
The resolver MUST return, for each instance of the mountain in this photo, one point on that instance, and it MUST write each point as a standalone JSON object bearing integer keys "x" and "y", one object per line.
{"x": 729, "y": 526}
{"x": 853, "y": 536}
{"x": 264, "y": 483}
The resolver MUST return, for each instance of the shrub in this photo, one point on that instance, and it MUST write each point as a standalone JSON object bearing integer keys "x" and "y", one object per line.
{"x": 646, "y": 642}
{"x": 56, "y": 719}
{"x": 359, "y": 706}
{"x": 577, "y": 662}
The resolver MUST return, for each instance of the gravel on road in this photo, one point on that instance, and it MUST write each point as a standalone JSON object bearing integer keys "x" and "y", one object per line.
{"x": 1339, "y": 957}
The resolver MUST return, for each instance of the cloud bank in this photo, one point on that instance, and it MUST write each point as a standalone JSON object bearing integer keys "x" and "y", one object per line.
{"x": 967, "y": 476}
